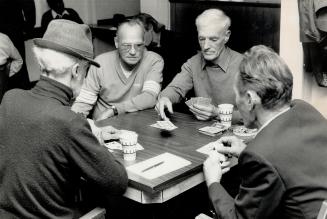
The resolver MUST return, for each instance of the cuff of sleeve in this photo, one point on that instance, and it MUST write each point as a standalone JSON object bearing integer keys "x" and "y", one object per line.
{"x": 120, "y": 108}
{"x": 221, "y": 200}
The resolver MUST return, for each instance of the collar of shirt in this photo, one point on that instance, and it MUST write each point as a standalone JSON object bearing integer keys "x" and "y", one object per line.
{"x": 54, "y": 14}
{"x": 53, "y": 89}
{"x": 272, "y": 118}
{"x": 222, "y": 61}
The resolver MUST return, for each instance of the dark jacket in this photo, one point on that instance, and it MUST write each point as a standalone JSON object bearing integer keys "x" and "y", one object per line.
{"x": 283, "y": 170}
{"x": 45, "y": 149}
{"x": 47, "y": 17}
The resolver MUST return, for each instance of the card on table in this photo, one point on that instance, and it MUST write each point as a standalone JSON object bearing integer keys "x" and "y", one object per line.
{"x": 211, "y": 130}
{"x": 165, "y": 124}
{"x": 115, "y": 145}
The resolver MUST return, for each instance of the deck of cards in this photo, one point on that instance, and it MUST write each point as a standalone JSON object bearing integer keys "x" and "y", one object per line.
{"x": 164, "y": 124}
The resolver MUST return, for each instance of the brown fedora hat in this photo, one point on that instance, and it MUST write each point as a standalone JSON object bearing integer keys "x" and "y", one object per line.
{"x": 68, "y": 37}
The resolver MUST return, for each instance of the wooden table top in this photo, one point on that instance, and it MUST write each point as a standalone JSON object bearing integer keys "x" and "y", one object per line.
{"x": 183, "y": 142}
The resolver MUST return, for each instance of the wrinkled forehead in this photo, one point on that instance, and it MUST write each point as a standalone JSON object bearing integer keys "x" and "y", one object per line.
{"x": 130, "y": 34}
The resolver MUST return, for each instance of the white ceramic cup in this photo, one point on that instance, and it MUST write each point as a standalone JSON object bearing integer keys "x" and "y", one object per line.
{"x": 225, "y": 112}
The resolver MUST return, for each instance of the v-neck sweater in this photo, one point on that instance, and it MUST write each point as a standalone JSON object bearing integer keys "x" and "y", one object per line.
{"x": 108, "y": 85}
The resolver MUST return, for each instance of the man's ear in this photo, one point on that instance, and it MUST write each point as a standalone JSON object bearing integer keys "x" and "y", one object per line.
{"x": 75, "y": 72}
{"x": 116, "y": 42}
{"x": 252, "y": 99}
{"x": 227, "y": 35}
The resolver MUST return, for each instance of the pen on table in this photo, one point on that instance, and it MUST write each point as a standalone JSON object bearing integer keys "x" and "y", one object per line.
{"x": 153, "y": 166}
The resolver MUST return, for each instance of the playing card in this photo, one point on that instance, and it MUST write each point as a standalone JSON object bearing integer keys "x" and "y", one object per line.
{"x": 188, "y": 103}
{"x": 167, "y": 125}
{"x": 115, "y": 145}
{"x": 204, "y": 101}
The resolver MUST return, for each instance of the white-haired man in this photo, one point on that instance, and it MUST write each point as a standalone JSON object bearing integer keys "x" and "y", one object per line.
{"x": 45, "y": 147}
{"x": 210, "y": 73}
{"x": 129, "y": 78}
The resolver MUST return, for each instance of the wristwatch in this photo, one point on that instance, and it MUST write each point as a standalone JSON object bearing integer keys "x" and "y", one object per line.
{"x": 115, "y": 110}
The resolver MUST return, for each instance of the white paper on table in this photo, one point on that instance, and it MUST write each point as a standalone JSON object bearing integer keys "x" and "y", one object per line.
{"x": 206, "y": 148}
{"x": 170, "y": 163}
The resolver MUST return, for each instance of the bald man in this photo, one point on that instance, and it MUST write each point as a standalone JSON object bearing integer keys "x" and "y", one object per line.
{"x": 128, "y": 80}
{"x": 210, "y": 73}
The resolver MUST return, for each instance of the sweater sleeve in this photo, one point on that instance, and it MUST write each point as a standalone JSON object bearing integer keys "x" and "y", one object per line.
{"x": 180, "y": 85}
{"x": 96, "y": 164}
{"x": 88, "y": 95}
{"x": 259, "y": 195}
{"x": 10, "y": 54}
{"x": 151, "y": 88}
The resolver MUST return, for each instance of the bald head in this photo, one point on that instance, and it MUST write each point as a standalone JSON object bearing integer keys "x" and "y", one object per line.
{"x": 213, "y": 17}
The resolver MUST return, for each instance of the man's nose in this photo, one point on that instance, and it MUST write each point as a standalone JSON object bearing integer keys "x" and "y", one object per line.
{"x": 206, "y": 44}
{"x": 132, "y": 51}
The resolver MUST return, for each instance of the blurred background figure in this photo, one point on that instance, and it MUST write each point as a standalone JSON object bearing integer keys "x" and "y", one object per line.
{"x": 58, "y": 11}
{"x": 17, "y": 20}
{"x": 10, "y": 62}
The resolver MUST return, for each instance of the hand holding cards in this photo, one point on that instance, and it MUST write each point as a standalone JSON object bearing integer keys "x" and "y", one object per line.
{"x": 203, "y": 101}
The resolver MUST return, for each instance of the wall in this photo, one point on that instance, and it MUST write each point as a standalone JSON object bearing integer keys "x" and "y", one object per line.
{"x": 159, "y": 9}
{"x": 305, "y": 87}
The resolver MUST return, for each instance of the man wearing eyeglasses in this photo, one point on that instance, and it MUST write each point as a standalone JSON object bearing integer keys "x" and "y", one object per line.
{"x": 128, "y": 80}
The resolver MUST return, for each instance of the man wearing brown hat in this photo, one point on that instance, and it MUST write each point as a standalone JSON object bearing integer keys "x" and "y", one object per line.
{"x": 46, "y": 148}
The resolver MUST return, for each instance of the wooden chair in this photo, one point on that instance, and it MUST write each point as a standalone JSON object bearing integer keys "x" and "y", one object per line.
{"x": 323, "y": 211}
{"x": 96, "y": 213}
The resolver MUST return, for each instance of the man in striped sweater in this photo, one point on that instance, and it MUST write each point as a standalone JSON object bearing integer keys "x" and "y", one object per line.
{"x": 128, "y": 80}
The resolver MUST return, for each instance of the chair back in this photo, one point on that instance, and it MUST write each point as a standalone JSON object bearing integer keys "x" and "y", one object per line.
{"x": 323, "y": 211}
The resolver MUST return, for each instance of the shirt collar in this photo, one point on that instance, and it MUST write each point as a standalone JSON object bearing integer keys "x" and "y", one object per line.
{"x": 54, "y": 14}
{"x": 222, "y": 61}
{"x": 272, "y": 118}
{"x": 50, "y": 88}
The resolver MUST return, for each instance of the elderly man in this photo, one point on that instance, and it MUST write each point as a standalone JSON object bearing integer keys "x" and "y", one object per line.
{"x": 45, "y": 147}
{"x": 210, "y": 73}
{"x": 129, "y": 78}
{"x": 284, "y": 169}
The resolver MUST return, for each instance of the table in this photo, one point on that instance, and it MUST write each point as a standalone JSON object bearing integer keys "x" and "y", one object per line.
{"x": 183, "y": 142}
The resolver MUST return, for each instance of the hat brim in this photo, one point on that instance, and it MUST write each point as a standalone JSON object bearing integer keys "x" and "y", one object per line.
{"x": 55, "y": 46}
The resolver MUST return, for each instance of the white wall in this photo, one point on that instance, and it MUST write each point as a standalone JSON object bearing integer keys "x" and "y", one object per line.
{"x": 305, "y": 87}
{"x": 159, "y": 9}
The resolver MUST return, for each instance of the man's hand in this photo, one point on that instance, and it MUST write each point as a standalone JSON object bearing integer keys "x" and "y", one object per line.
{"x": 230, "y": 145}
{"x": 204, "y": 112}
{"x": 106, "y": 114}
{"x": 109, "y": 132}
{"x": 163, "y": 103}
{"x": 214, "y": 166}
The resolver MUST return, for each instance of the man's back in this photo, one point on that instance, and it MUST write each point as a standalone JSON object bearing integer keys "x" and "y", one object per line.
{"x": 45, "y": 150}
{"x": 296, "y": 161}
